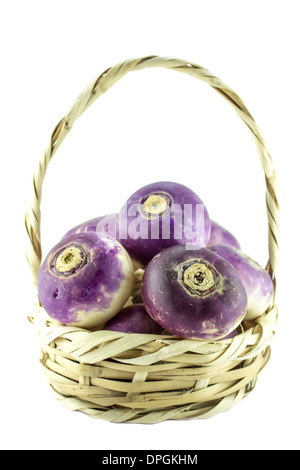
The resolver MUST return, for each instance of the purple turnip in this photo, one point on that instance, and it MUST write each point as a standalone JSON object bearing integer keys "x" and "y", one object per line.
{"x": 160, "y": 215}
{"x": 194, "y": 293}
{"x": 107, "y": 224}
{"x": 103, "y": 225}
{"x": 134, "y": 319}
{"x": 221, "y": 236}
{"x": 110, "y": 225}
{"x": 85, "y": 280}
{"x": 256, "y": 280}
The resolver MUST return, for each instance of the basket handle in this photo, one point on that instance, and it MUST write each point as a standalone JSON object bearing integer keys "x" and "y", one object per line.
{"x": 99, "y": 86}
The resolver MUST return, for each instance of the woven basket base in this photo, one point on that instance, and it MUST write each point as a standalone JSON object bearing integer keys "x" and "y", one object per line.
{"x": 101, "y": 403}
{"x": 147, "y": 379}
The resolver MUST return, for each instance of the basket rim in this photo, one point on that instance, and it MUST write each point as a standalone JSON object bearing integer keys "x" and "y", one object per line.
{"x": 93, "y": 346}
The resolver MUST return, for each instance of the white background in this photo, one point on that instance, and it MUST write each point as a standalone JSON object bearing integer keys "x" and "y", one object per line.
{"x": 153, "y": 125}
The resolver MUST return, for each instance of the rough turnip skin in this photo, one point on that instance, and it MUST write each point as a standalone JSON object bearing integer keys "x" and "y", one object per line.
{"x": 221, "y": 236}
{"x": 85, "y": 280}
{"x": 153, "y": 208}
{"x": 94, "y": 225}
{"x": 256, "y": 280}
{"x": 194, "y": 293}
{"x": 134, "y": 319}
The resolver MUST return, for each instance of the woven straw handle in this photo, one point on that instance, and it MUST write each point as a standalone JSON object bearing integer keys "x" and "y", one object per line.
{"x": 99, "y": 86}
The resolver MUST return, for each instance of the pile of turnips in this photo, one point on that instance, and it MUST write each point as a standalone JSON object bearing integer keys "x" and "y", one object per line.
{"x": 196, "y": 284}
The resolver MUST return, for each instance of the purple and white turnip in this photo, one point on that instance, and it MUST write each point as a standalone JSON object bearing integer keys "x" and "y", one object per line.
{"x": 160, "y": 215}
{"x": 103, "y": 225}
{"x": 256, "y": 280}
{"x": 194, "y": 293}
{"x": 85, "y": 280}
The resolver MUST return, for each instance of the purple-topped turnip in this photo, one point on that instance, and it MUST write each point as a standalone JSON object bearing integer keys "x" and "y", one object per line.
{"x": 193, "y": 293}
{"x": 256, "y": 280}
{"x": 160, "y": 215}
{"x": 221, "y": 236}
{"x": 104, "y": 225}
{"x": 85, "y": 280}
{"x": 134, "y": 319}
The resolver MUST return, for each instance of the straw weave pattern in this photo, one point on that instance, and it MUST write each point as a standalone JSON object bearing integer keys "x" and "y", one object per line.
{"x": 141, "y": 378}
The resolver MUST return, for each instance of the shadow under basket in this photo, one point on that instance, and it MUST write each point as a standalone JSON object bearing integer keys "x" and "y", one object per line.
{"x": 142, "y": 378}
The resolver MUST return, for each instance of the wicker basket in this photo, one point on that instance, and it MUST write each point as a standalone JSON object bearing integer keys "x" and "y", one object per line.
{"x": 141, "y": 378}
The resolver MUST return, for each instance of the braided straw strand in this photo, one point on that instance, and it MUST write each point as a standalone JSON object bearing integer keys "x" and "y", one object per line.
{"x": 140, "y": 378}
